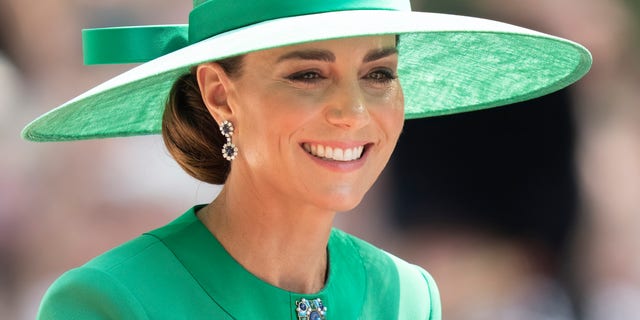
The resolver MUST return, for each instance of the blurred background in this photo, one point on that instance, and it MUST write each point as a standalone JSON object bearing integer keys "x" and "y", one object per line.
{"x": 526, "y": 212}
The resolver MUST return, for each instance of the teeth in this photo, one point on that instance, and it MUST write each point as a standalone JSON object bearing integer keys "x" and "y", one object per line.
{"x": 348, "y": 153}
{"x": 320, "y": 151}
{"x": 336, "y": 154}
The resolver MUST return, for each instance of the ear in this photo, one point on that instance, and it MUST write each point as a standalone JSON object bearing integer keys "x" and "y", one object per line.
{"x": 214, "y": 87}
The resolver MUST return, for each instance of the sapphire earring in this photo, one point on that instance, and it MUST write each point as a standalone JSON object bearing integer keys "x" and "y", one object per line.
{"x": 229, "y": 150}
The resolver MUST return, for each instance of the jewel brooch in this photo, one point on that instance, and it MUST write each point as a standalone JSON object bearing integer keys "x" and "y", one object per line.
{"x": 310, "y": 309}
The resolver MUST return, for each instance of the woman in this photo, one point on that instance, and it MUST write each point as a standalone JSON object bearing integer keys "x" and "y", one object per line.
{"x": 295, "y": 107}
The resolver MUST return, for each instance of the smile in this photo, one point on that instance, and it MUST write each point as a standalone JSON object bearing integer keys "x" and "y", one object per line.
{"x": 334, "y": 153}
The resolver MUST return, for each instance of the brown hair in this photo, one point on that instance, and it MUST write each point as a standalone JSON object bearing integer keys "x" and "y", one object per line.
{"x": 189, "y": 131}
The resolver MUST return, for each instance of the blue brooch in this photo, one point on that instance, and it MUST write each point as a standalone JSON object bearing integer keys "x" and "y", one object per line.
{"x": 310, "y": 309}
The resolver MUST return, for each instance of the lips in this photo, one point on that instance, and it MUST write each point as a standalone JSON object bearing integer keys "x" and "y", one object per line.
{"x": 334, "y": 153}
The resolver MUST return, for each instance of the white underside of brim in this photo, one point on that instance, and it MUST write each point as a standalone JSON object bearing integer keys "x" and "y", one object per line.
{"x": 306, "y": 28}
{"x": 316, "y": 27}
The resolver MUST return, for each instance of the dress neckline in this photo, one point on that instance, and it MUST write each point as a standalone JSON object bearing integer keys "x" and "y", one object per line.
{"x": 239, "y": 292}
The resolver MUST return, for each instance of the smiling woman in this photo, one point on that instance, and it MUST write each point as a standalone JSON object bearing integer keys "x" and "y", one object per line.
{"x": 295, "y": 110}
{"x": 330, "y": 94}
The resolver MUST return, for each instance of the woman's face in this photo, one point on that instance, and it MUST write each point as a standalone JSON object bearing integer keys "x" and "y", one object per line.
{"x": 316, "y": 123}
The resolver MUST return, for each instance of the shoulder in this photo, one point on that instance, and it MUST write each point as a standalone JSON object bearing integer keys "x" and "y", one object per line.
{"x": 416, "y": 291}
{"x": 136, "y": 280}
{"x": 129, "y": 281}
{"x": 419, "y": 293}
{"x": 97, "y": 289}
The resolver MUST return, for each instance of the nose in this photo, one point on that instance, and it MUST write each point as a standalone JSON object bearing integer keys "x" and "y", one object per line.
{"x": 347, "y": 107}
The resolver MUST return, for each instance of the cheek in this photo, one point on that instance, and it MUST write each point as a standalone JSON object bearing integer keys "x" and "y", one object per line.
{"x": 268, "y": 125}
{"x": 392, "y": 117}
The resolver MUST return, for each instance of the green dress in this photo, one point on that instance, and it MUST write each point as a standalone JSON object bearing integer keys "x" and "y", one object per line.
{"x": 180, "y": 271}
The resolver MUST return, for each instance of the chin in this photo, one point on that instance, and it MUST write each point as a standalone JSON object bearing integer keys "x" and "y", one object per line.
{"x": 341, "y": 203}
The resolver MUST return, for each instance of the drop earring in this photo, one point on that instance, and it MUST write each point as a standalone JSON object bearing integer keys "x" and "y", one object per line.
{"x": 229, "y": 150}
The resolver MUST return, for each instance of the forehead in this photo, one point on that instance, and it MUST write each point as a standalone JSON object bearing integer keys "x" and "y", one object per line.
{"x": 351, "y": 46}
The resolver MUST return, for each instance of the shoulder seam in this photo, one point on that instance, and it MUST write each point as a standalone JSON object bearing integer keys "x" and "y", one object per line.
{"x": 116, "y": 283}
{"x": 354, "y": 246}
{"x": 122, "y": 261}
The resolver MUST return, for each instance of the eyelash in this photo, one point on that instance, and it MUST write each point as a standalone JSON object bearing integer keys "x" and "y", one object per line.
{"x": 306, "y": 76}
{"x": 382, "y": 75}
{"x": 379, "y": 75}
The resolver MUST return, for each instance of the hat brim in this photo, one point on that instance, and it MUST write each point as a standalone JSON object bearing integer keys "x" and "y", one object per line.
{"x": 448, "y": 64}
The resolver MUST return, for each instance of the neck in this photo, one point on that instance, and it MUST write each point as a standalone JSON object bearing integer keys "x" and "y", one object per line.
{"x": 283, "y": 246}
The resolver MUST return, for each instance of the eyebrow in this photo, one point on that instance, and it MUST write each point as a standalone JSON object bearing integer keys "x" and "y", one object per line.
{"x": 311, "y": 54}
{"x": 378, "y": 54}
{"x": 328, "y": 56}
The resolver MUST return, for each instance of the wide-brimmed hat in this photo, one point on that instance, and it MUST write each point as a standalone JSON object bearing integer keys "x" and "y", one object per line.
{"x": 448, "y": 64}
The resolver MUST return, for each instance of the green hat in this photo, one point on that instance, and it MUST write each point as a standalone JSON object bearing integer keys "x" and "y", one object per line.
{"x": 448, "y": 64}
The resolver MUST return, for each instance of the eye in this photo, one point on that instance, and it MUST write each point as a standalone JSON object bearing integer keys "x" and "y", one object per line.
{"x": 305, "y": 76}
{"x": 381, "y": 75}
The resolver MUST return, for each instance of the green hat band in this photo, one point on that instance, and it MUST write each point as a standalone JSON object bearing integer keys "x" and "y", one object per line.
{"x": 215, "y": 17}
{"x": 142, "y": 44}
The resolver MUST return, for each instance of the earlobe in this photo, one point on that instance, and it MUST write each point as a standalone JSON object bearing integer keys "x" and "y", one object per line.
{"x": 214, "y": 85}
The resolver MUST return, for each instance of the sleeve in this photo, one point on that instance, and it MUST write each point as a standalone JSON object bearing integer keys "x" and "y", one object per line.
{"x": 87, "y": 293}
{"x": 434, "y": 296}
{"x": 419, "y": 296}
